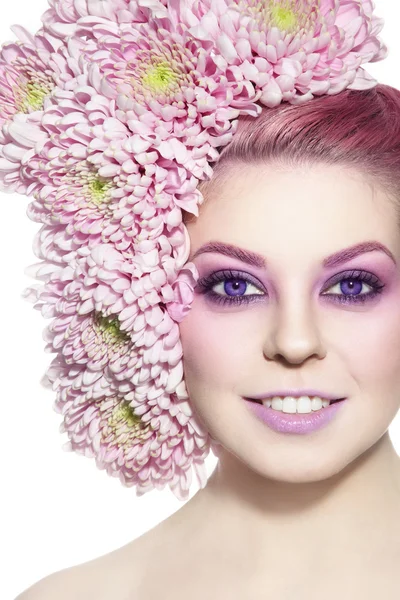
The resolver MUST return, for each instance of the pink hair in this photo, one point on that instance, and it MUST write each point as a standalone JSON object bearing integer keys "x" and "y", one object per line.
{"x": 356, "y": 129}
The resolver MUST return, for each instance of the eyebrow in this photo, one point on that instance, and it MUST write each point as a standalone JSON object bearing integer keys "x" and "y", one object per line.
{"x": 257, "y": 260}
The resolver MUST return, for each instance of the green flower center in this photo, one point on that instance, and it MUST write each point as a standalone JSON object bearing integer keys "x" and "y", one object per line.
{"x": 30, "y": 94}
{"x": 124, "y": 412}
{"x": 284, "y": 18}
{"x": 122, "y": 428}
{"x": 98, "y": 189}
{"x": 110, "y": 329}
{"x": 86, "y": 185}
{"x": 159, "y": 77}
{"x": 35, "y": 96}
{"x": 157, "y": 70}
{"x": 286, "y": 15}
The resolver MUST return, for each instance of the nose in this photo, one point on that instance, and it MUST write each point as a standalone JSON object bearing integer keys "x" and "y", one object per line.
{"x": 295, "y": 335}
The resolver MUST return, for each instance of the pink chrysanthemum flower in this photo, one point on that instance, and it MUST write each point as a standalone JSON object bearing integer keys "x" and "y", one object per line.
{"x": 291, "y": 49}
{"x": 118, "y": 370}
{"x": 172, "y": 76}
{"x": 149, "y": 451}
{"x": 28, "y": 74}
{"x": 31, "y": 70}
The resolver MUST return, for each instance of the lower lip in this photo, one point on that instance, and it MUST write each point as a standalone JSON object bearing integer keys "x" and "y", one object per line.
{"x": 299, "y": 423}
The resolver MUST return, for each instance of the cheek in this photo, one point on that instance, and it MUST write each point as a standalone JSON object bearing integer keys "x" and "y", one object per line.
{"x": 373, "y": 348}
{"x": 212, "y": 347}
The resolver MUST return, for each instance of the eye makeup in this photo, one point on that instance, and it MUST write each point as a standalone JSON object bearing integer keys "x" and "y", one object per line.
{"x": 356, "y": 278}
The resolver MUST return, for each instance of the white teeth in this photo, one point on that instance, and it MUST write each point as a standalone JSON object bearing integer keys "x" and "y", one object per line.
{"x": 289, "y": 404}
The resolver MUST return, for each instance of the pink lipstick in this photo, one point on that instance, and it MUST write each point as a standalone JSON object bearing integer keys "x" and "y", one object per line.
{"x": 300, "y": 423}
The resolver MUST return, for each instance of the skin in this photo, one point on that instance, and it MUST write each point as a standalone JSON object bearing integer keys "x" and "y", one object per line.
{"x": 327, "y": 501}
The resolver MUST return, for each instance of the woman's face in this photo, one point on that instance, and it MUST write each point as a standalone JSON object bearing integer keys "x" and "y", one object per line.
{"x": 293, "y": 335}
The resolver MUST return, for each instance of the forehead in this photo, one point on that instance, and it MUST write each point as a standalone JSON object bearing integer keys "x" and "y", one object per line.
{"x": 272, "y": 190}
{"x": 295, "y": 213}
{"x": 319, "y": 198}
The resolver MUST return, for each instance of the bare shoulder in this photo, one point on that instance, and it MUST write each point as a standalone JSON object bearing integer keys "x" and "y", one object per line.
{"x": 99, "y": 578}
{"x": 62, "y": 585}
{"x": 118, "y": 575}
{"x": 113, "y": 576}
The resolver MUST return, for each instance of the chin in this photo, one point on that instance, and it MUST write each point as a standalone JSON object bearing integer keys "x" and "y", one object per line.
{"x": 276, "y": 462}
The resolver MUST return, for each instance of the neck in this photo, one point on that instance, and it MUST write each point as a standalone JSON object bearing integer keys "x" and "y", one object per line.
{"x": 354, "y": 512}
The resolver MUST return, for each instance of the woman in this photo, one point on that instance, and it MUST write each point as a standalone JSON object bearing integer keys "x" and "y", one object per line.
{"x": 301, "y": 510}
{"x": 297, "y": 248}
{"x": 296, "y": 509}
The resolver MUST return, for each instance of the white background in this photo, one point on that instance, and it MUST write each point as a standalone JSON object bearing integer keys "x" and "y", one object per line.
{"x": 57, "y": 508}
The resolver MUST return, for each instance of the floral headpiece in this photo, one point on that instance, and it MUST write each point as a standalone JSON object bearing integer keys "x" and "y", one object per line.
{"x": 110, "y": 116}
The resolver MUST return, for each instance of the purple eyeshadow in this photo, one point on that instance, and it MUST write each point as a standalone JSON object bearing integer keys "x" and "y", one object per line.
{"x": 236, "y": 283}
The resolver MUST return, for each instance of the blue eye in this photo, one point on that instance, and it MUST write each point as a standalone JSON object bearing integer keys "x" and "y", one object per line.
{"x": 235, "y": 283}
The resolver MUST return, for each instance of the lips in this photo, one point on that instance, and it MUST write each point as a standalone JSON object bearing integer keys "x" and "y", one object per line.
{"x": 295, "y": 422}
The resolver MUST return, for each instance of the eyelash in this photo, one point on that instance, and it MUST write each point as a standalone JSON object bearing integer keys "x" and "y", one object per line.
{"x": 206, "y": 283}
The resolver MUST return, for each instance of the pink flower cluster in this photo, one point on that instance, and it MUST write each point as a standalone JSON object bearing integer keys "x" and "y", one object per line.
{"x": 110, "y": 116}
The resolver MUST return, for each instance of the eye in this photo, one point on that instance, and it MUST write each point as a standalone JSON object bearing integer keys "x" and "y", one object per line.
{"x": 351, "y": 284}
{"x": 236, "y": 283}
{"x": 233, "y": 282}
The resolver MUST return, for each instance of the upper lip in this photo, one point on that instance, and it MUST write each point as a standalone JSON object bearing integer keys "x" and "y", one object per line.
{"x": 297, "y": 393}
